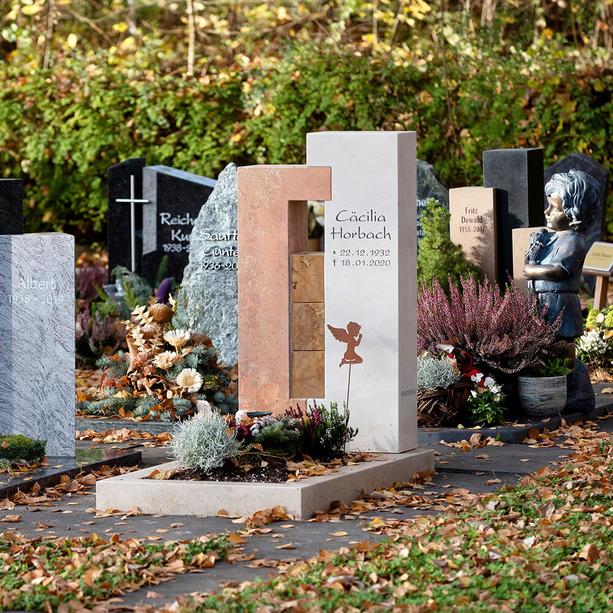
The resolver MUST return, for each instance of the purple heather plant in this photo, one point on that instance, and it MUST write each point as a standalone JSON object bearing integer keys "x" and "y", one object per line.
{"x": 503, "y": 329}
{"x": 88, "y": 280}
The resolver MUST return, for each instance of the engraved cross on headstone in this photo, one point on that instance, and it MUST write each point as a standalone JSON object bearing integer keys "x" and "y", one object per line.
{"x": 132, "y": 201}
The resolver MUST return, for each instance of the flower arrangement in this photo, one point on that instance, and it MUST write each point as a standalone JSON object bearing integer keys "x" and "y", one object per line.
{"x": 486, "y": 403}
{"x": 319, "y": 432}
{"x": 502, "y": 331}
{"x": 166, "y": 371}
{"x": 595, "y": 347}
{"x": 441, "y": 393}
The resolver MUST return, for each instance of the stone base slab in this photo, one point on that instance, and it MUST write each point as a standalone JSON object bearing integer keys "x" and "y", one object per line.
{"x": 302, "y": 499}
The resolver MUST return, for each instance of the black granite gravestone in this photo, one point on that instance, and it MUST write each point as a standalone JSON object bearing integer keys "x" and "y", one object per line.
{"x": 118, "y": 219}
{"x": 580, "y": 161}
{"x": 11, "y": 206}
{"x": 175, "y": 199}
{"x": 517, "y": 175}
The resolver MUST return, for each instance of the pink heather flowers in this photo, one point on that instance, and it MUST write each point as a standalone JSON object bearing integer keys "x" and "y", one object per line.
{"x": 506, "y": 330}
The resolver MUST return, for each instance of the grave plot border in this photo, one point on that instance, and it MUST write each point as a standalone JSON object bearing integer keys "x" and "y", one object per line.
{"x": 301, "y": 499}
{"x": 49, "y": 476}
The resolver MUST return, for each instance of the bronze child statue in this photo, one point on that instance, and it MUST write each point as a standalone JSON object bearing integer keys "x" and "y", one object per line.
{"x": 554, "y": 263}
{"x": 554, "y": 260}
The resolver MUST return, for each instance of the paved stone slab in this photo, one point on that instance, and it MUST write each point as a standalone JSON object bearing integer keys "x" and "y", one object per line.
{"x": 464, "y": 470}
{"x": 57, "y": 467}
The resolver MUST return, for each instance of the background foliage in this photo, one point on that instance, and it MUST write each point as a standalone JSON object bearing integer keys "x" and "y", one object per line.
{"x": 197, "y": 84}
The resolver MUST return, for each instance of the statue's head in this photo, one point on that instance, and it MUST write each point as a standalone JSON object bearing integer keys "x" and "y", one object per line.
{"x": 571, "y": 198}
{"x": 353, "y": 328}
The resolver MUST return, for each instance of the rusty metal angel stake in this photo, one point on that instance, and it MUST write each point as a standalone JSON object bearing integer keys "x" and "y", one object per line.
{"x": 352, "y": 337}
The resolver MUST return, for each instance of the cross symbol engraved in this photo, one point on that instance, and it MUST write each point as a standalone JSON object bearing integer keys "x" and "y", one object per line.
{"x": 132, "y": 201}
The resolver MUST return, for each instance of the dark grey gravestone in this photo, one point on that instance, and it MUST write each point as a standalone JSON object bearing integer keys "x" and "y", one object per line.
{"x": 517, "y": 175}
{"x": 175, "y": 199}
{"x": 580, "y": 161}
{"x": 428, "y": 186}
{"x": 11, "y": 206}
{"x": 210, "y": 282}
{"x": 118, "y": 217}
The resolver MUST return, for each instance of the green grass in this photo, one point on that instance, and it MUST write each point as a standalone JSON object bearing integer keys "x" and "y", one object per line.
{"x": 543, "y": 545}
{"x": 35, "y": 574}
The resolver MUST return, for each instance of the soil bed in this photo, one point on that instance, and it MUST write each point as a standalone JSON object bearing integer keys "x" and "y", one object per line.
{"x": 270, "y": 470}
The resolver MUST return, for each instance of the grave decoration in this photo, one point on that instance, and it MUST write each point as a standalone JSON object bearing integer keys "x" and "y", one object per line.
{"x": 210, "y": 281}
{"x": 152, "y": 211}
{"x": 584, "y": 163}
{"x": 491, "y": 335}
{"x": 554, "y": 262}
{"x": 322, "y": 340}
{"x": 168, "y": 369}
{"x": 37, "y": 379}
{"x": 265, "y": 449}
{"x": 595, "y": 345}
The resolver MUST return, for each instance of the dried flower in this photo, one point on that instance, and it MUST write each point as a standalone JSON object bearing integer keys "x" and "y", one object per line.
{"x": 161, "y": 313}
{"x": 149, "y": 330}
{"x": 189, "y": 379}
{"x": 177, "y": 338}
{"x": 166, "y": 360}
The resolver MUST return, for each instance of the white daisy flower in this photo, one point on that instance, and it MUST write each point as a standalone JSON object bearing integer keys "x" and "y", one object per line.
{"x": 189, "y": 379}
{"x": 165, "y": 360}
{"x": 177, "y": 338}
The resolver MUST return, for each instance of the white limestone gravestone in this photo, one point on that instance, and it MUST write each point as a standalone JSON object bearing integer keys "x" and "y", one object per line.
{"x": 370, "y": 282}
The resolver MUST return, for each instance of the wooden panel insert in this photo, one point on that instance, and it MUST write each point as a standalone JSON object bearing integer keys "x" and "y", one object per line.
{"x": 307, "y": 277}
{"x": 307, "y": 325}
{"x": 308, "y": 374}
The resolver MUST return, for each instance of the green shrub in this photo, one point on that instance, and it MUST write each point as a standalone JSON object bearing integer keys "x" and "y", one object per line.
{"x": 20, "y": 447}
{"x": 61, "y": 129}
{"x": 438, "y": 258}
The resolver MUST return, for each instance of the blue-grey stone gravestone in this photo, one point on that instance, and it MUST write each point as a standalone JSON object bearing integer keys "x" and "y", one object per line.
{"x": 580, "y": 161}
{"x": 517, "y": 175}
{"x": 37, "y": 339}
{"x": 210, "y": 281}
{"x": 119, "y": 227}
{"x": 428, "y": 186}
{"x": 174, "y": 200}
{"x": 11, "y": 206}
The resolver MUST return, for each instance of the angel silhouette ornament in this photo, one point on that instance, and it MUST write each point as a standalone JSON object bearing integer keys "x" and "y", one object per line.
{"x": 352, "y": 337}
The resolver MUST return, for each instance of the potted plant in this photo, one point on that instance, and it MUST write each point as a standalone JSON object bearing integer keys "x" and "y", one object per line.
{"x": 544, "y": 393}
